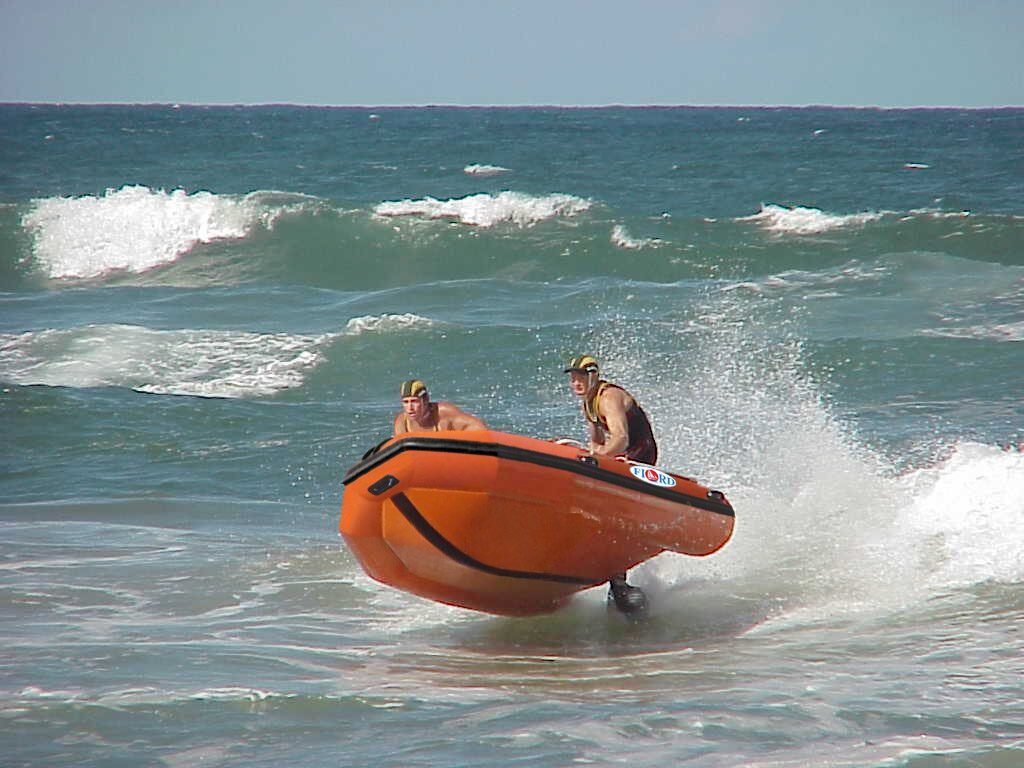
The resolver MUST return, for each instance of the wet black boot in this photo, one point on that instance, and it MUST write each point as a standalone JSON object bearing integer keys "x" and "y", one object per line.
{"x": 629, "y": 600}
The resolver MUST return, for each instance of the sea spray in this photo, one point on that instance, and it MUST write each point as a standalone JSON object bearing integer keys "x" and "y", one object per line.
{"x": 735, "y": 405}
{"x": 967, "y": 513}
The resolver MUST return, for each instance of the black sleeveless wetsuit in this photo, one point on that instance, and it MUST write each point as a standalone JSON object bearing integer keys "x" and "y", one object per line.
{"x": 641, "y": 446}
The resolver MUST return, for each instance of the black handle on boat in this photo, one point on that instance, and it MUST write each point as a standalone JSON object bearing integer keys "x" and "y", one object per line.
{"x": 375, "y": 448}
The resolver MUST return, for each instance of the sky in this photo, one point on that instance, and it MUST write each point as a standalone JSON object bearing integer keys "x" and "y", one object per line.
{"x": 886, "y": 53}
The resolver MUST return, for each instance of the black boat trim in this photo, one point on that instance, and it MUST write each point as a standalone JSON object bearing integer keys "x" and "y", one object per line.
{"x": 435, "y": 537}
{"x": 512, "y": 453}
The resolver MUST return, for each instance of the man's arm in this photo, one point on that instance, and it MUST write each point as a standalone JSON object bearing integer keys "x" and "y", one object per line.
{"x": 594, "y": 432}
{"x": 399, "y": 426}
{"x": 613, "y": 404}
{"x": 455, "y": 418}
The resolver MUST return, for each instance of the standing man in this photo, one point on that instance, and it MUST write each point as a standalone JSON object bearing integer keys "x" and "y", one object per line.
{"x": 419, "y": 414}
{"x": 618, "y": 427}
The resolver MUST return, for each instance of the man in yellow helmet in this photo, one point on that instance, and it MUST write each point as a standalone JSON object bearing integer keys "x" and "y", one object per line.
{"x": 419, "y": 414}
{"x": 618, "y": 427}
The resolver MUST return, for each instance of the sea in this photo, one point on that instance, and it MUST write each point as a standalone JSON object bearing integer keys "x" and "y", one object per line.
{"x": 206, "y": 313}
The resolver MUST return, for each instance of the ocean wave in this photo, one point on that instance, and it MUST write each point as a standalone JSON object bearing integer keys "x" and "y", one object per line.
{"x": 806, "y": 221}
{"x": 239, "y": 693}
{"x": 970, "y": 508}
{"x": 621, "y": 238}
{"x": 135, "y": 228}
{"x": 981, "y": 332}
{"x": 198, "y": 362}
{"x": 934, "y": 213}
{"x": 203, "y": 363}
{"x": 484, "y": 210}
{"x": 829, "y": 283}
{"x": 484, "y": 170}
{"x": 386, "y": 323}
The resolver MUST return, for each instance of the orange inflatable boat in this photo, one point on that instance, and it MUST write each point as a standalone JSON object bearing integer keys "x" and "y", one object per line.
{"x": 513, "y": 525}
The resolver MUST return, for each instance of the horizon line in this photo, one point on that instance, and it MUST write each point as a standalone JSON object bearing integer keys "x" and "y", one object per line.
{"x": 451, "y": 105}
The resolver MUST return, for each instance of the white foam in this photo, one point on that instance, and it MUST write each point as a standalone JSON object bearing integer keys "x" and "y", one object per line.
{"x": 135, "y": 228}
{"x": 485, "y": 210}
{"x": 993, "y": 332}
{"x": 205, "y": 363}
{"x": 968, "y": 514}
{"x": 387, "y": 323}
{"x": 239, "y": 693}
{"x": 826, "y": 283}
{"x": 806, "y": 221}
{"x": 484, "y": 170}
{"x": 621, "y": 238}
{"x": 932, "y": 213}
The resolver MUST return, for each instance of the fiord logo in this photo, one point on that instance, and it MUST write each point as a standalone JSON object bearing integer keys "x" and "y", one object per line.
{"x": 652, "y": 475}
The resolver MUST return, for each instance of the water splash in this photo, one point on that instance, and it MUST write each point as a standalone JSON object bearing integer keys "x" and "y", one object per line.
{"x": 823, "y": 519}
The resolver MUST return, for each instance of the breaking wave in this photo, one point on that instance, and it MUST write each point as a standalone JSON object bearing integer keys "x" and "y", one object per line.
{"x": 198, "y": 362}
{"x": 806, "y": 221}
{"x": 135, "y": 228}
{"x": 485, "y": 210}
{"x": 484, "y": 170}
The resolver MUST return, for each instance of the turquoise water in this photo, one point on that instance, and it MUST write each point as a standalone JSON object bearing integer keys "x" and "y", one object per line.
{"x": 205, "y": 314}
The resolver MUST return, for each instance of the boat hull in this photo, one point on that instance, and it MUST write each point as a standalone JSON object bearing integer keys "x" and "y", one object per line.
{"x": 512, "y": 525}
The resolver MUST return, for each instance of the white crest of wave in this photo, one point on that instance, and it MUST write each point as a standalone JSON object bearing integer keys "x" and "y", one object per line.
{"x": 806, "y": 221}
{"x": 237, "y": 693}
{"x": 386, "y": 323}
{"x": 621, "y": 238}
{"x": 205, "y": 363}
{"x": 485, "y": 210}
{"x": 969, "y": 512}
{"x": 484, "y": 170}
{"x": 136, "y": 228}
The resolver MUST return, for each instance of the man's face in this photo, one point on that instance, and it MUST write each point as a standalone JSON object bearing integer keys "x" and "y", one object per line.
{"x": 415, "y": 407}
{"x": 579, "y": 383}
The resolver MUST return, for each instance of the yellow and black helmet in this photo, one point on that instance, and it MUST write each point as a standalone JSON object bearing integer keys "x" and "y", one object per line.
{"x": 413, "y": 388}
{"x": 582, "y": 364}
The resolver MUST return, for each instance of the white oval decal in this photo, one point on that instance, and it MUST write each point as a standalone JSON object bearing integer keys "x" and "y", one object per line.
{"x": 652, "y": 475}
